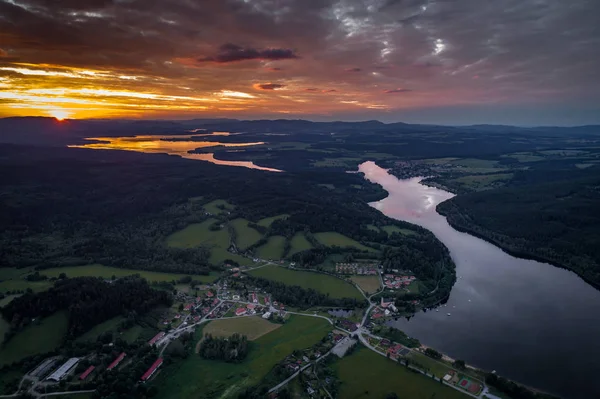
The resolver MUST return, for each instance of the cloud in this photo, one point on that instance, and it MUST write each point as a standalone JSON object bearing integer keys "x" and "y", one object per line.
{"x": 311, "y": 89}
{"x": 397, "y": 91}
{"x": 330, "y": 91}
{"x": 353, "y": 69}
{"x": 268, "y": 86}
{"x": 275, "y": 69}
{"x": 230, "y": 52}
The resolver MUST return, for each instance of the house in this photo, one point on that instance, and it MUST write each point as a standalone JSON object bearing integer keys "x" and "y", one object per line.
{"x": 209, "y": 294}
{"x": 240, "y": 311}
{"x": 251, "y": 306}
{"x": 116, "y": 362}
{"x": 266, "y": 315}
{"x": 87, "y": 372}
{"x": 188, "y": 306}
{"x": 215, "y": 301}
{"x": 254, "y": 297}
{"x": 151, "y": 370}
{"x": 236, "y": 297}
{"x": 156, "y": 338}
{"x": 63, "y": 370}
{"x": 385, "y": 302}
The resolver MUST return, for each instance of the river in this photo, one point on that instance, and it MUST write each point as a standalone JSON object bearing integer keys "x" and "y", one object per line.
{"x": 173, "y": 145}
{"x": 529, "y": 321}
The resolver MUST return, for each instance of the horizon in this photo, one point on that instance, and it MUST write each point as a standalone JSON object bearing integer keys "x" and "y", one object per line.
{"x": 519, "y": 63}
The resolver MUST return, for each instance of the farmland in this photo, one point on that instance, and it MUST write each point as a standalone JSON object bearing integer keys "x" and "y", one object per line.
{"x": 95, "y": 332}
{"x": 299, "y": 243}
{"x": 326, "y": 284}
{"x": 266, "y": 222}
{"x": 273, "y": 249}
{"x": 219, "y": 379}
{"x": 12, "y": 278}
{"x": 331, "y": 238}
{"x": 253, "y": 327}
{"x": 40, "y": 337}
{"x": 395, "y": 229}
{"x": 366, "y": 374}
{"x": 369, "y": 284}
{"x": 245, "y": 235}
{"x": 215, "y": 206}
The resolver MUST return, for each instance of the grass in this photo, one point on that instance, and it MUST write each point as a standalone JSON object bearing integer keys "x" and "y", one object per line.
{"x": 366, "y": 374}
{"x": 373, "y": 228}
{"x": 132, "y": 334}
{"x": 97, "y": 270}
{"x": 482, "y": 182}
{"x": 395, "y": 229}
{"x": 4, "y": 327}
{"x": 94, "y": 333}
{"x": 39, "y": 337}
{"x": 273, "y": 249}
{"x": 331, "y": 238}
{"x": 299, "y": 243}
{"x": 7, "y": 299}
{"x": 213, "y": 206}
{"x": 433, "y": 366}
{"x": 327, "y": 185}
{"x": 335, "y": 287}
{"x": 266, "y": 222}
{"x": 368, "y": 284}
{"x": 253, "y": 327}
{"x": 341, "y": 162}
{"x": 524, "y": 157}
{"x": 196, "y": 377}
{"x": 246, "y": 236}
{"x": 12, "y": 278}
{"x": 7, "y": 377}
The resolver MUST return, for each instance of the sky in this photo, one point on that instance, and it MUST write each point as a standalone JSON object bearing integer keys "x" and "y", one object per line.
{"x": 521, "y": 62}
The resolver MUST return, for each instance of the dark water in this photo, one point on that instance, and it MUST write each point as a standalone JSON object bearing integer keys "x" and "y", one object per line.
{"x": 529, "y": 321}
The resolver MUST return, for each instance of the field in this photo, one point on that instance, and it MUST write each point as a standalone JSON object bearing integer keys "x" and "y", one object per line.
{"x": 333, "y": 286}
{"x": 433, "y": 366}
{"x": 213, "y": 206}
{"x": 7, "y": 299}
{"x": 331, "y": 238}
{"x": 368, "y": 284}
{"x": 482, "y": 182}
{"x": 246, "y": 235}
{"x": 273, "y": 249}
{"x": 366, "y": 374}
{"x": 199, "y": 234}
{"x": 37, "y": 338}
{"x": 253, "y": 327}
{"x": 266, "y": 222}
{"x": 395, "y": 229}
{"x": 4, "y": 327}
{"x": 299, "y": 243}
{"x": 336, "y": 162}
{"x": 94, "y": 333}
{"x": 196, "y": 377}
{"x": 9, "y": 377}
{"x": 12, "y": 279}
{"x": 97, "y": 270}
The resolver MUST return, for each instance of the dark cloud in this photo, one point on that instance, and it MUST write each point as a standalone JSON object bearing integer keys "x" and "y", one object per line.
{"x": 397, "y": 91}
{"x": 275, "y": 69}
{"x": 232, "y": 53}
{"x": 311, "y": 89}
{"x": 353, "y": 69}
{"x": 329, "y": 91}
{"x": 269, "y": 86}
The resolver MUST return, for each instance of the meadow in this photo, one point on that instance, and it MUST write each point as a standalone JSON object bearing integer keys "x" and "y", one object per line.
{"x": 253, "y": 327}
{"x": 40, "y": 337}
{"x": 99, "y": 329}
{"x": 331, "y": 238}
{"x": 335, "y": 287}
{"x": 213, "y": 207}
{"x": 195, "y": 377}
{"x": 299, "y": 243}
{"x": 273, "y": 249}
{"x": 245, "y": 235}
{"x": 366, "y": 374}
{"x": 266, "y": 222}
{"x": 395, "y": 229}
{"x": 369, "y": 284}
{"x": 482, "y": 182}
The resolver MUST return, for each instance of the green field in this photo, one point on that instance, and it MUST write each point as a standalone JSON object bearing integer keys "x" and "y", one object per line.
{"x": 369, "y": 284}
{"x": 341, "y": 162}
{"x": 4, "y": 327}
{"x": 7, "y": 299}
{"x": 333, "y": 286}
{"x": 246, "y": 236}
{"x": 525, "y": 157}
{"x": 395, "y": 229}
{"x": 199, "y": 234}
{"x": 97, "y": 270}
{"x": 482, "y": 182}
{"x": 253, "y": 327}
{"x": 266, "y": 222}
{"x": 213, "y": 206}
{"x": 431, "y": 365}
{"x": 273, "y": 249}
{"x": 196, "y": 377}
{"x": 41, "y": 337}
{"x": 366, "y": 374}
{"x": 299, "y": 243}
{"x": 94, "y": 333}
{"x": 373, "y": 228}
{"x": 12, "y": 279}
{"x": 133, "y": 333}
{"x": 331, "y": 238}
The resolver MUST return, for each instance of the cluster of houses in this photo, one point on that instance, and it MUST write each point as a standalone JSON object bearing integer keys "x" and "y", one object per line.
{"x": 356, "y": 268}
{"x": 348, "y": 325}
{"x": 394, "y": 281}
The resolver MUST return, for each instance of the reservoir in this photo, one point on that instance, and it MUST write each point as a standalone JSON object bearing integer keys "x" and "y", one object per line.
{"x": 531, "y": 322}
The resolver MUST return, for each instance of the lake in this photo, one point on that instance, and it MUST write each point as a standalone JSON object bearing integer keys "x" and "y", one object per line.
{"x": 532, "y": 322}
{"x": 172, "y": 145}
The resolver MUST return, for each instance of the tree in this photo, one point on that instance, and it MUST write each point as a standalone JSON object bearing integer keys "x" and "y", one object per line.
{"x": 432, "y": 353}
{"x": 459, "y": 364}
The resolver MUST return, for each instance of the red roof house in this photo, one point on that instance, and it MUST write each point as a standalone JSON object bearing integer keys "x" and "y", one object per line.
{"x": 152, "y": 369}
{"x": 240, "y": 311}
{"x": 116, "y": 362}
{"x": 87, "y": 372}
{"x": 210, "y": 294}
{"x": 156, "y": 338}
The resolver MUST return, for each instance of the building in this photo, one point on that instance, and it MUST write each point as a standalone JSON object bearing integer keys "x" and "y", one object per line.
{"x": 156, "y": 338}
{"x": 209, "y": 294}
{"x": 43, "y": 368}
{"x": 87, "y": 372}
{"x": 116, "y": 362}
{"x": 150, "y": 372}
{"x": 63, "y": 370}
{"x": 188, "y": 306}
{"x": 385, "y": 302}
{"x": 266, "y": 315}
{"x": 251, "y": 306}
{"x": 240, "y": 311}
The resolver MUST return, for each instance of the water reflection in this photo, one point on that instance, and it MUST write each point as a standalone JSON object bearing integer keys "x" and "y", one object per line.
{"x": 172, "y": 145}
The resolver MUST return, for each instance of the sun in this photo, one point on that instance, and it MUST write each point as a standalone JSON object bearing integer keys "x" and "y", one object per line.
{"x": 59, "y": 114}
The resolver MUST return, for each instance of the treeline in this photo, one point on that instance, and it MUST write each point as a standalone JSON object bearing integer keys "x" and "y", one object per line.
{"x": 232, "y": 349}
{"x": 89, "y": 301}
{"x": 515, "y": 391}
{"x": 295, "y": 296}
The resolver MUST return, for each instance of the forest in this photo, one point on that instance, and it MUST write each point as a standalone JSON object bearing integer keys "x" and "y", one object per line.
{"x": 88, "y": 300}
{"x": 231, "y": 349}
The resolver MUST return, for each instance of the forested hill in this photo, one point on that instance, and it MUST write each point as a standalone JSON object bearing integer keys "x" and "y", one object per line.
{"x": 557, "y": 222}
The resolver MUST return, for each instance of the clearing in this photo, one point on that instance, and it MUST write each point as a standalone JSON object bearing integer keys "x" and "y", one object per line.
{"x": 245, "y": 235}
{"x": 13, "y": 279}
{"x": 366, "y": 374}
{"x": 335, "y": 287}
{"x": 482, "y": 182}
{"x": 93, "y": 334}
{"x": 395, "y": 229}
{"x": 215, "y": 206}
{"x": 368, "y": 284}
{"x": 331, "y": 238}
{"x": 299, "y": 243}
{"x": 41, "y": 336}
{"x": 253, "y": 327}
{"x": 195, "y": 377}
{"x": 266, "y": 222}
{"x": 273, "y": 249}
